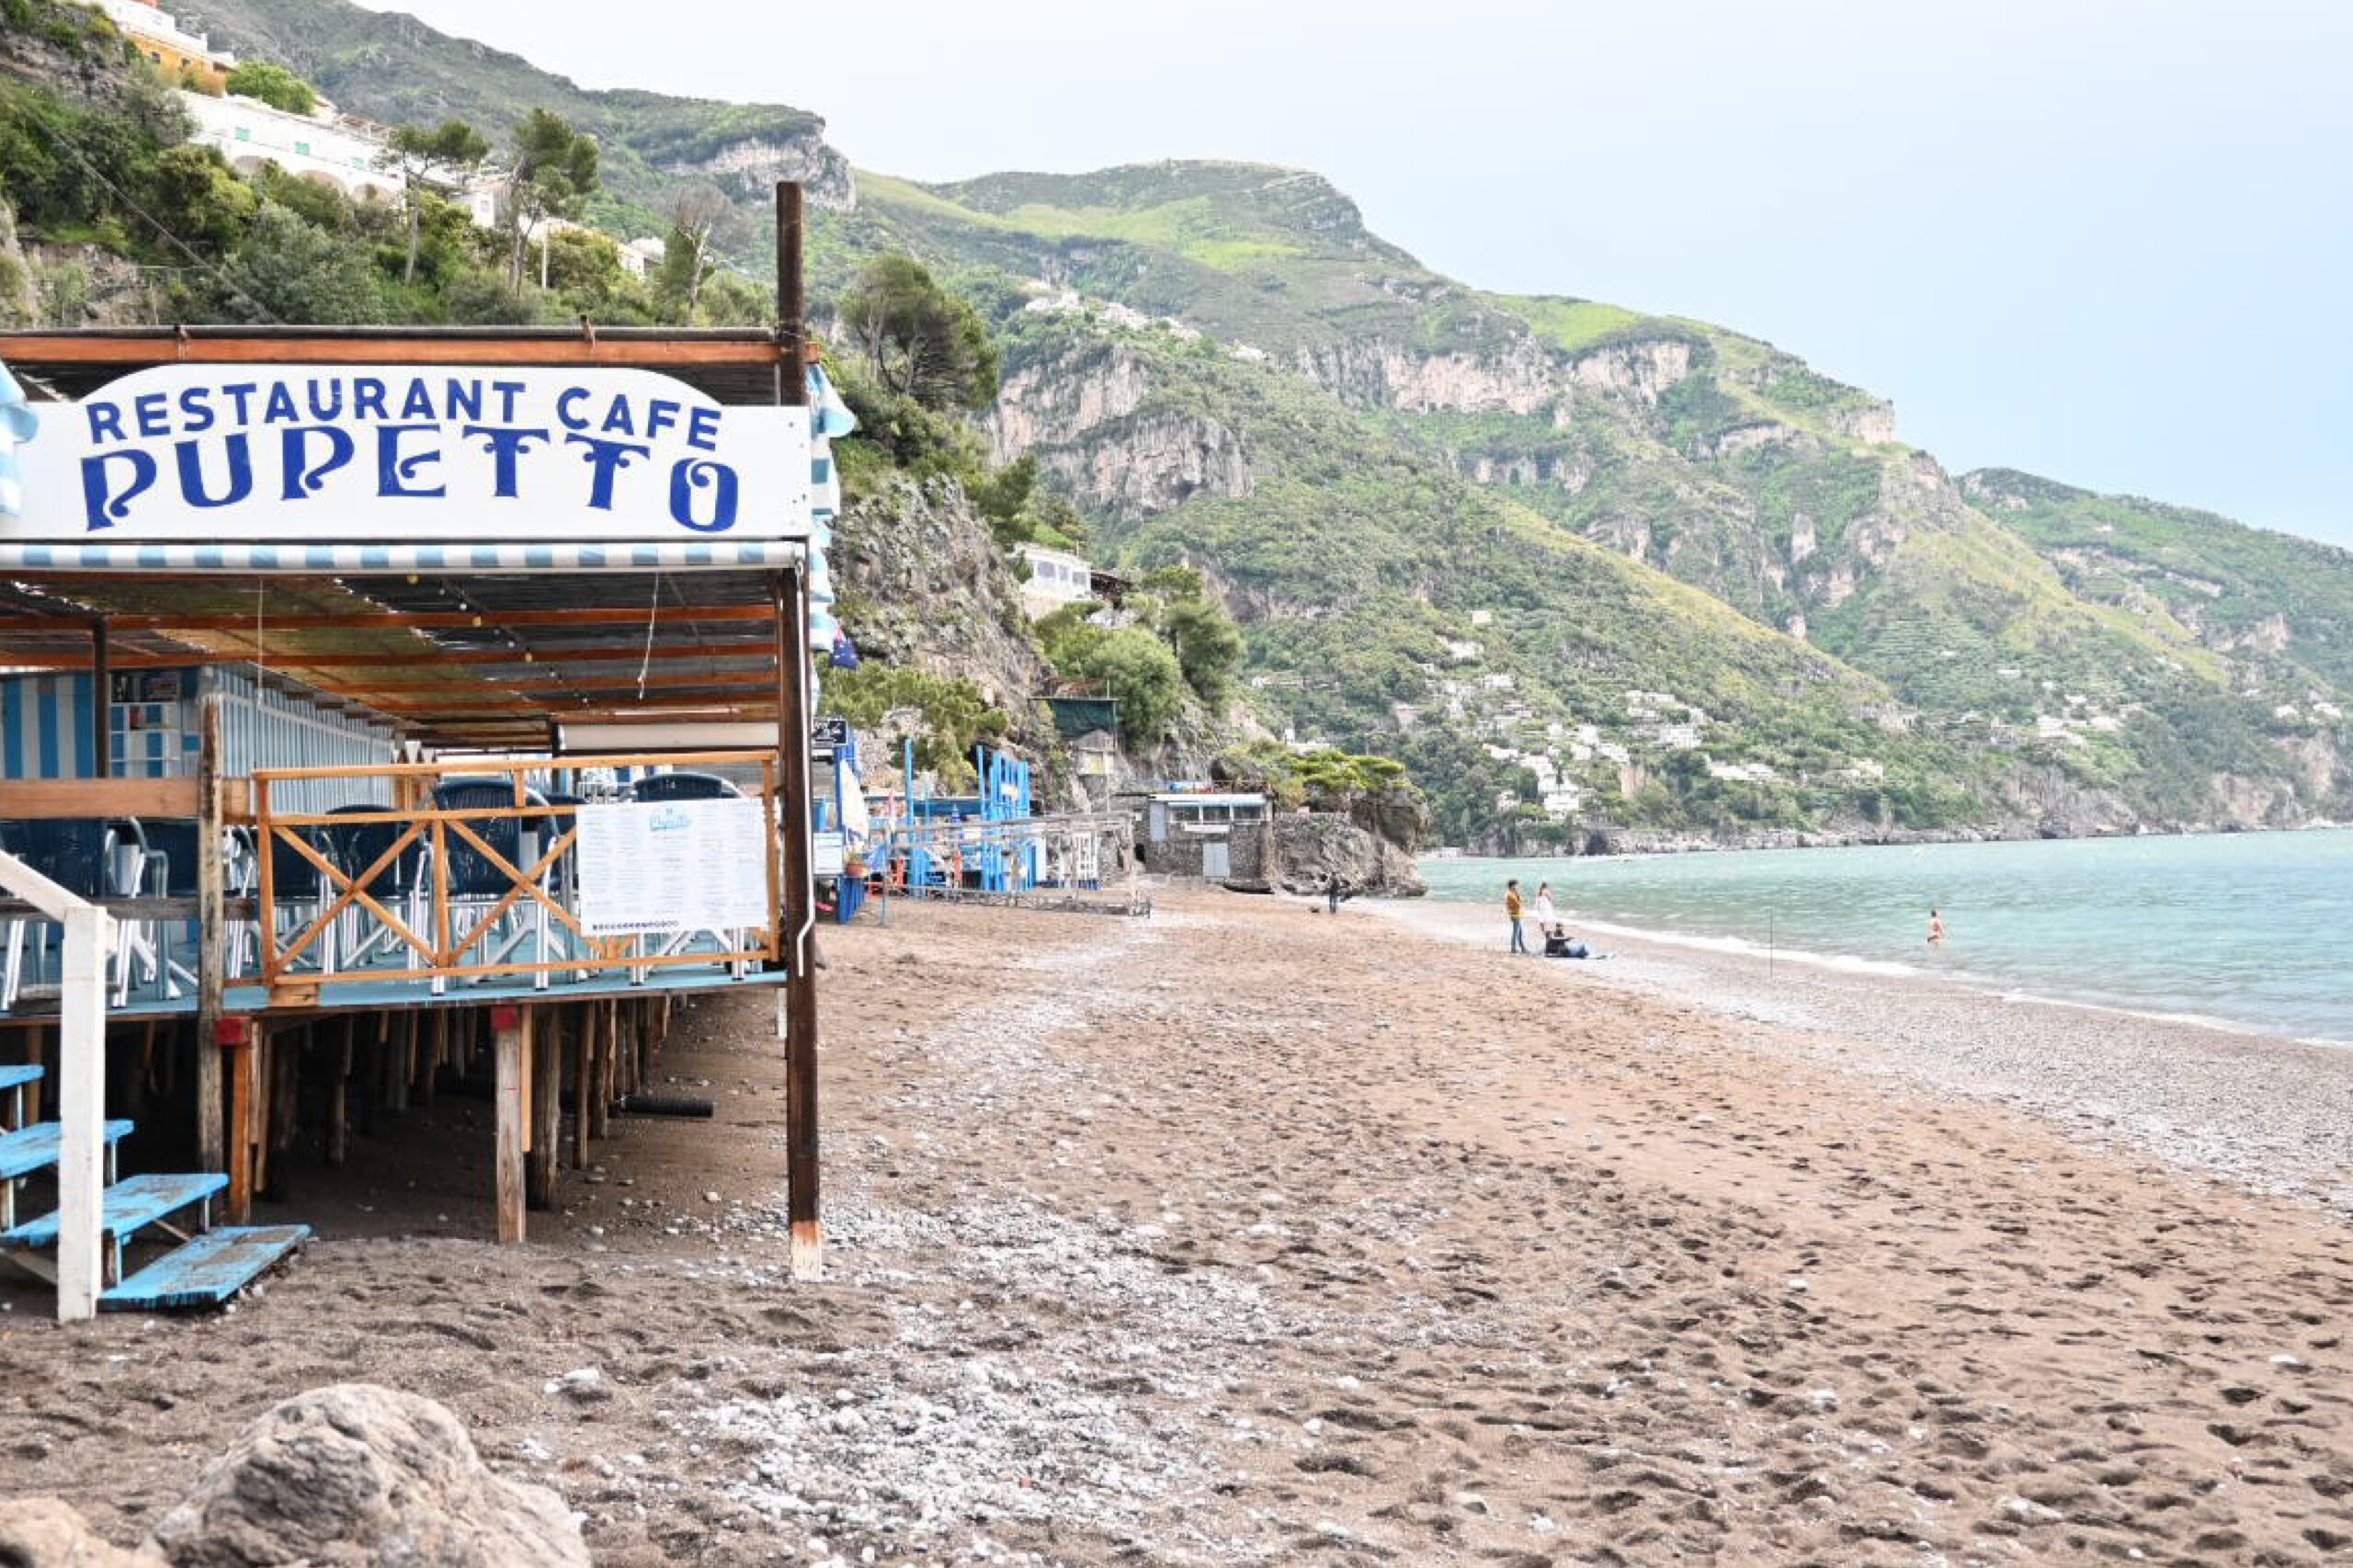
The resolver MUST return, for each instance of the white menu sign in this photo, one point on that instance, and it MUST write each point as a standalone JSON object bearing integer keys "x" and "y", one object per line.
{"x": 673, "y": 865}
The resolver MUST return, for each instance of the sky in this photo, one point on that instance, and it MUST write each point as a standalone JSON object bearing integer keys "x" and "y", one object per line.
{"x": 2111, "y": 244}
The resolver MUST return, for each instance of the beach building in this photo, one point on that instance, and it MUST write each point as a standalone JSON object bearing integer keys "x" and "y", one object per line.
{"x": 353, "y": 751}
{"x": 326, "y": 147}
{"x": 183, "y": 56}
{"x": 1057, "y": 577}
{"x": 1195, "y": 830}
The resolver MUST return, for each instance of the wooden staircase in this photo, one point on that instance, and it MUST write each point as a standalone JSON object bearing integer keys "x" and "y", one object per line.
{"x": 207, "y": 1269}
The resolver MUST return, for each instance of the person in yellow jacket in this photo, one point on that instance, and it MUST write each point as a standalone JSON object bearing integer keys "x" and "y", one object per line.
{"x": 1513, "y": 910}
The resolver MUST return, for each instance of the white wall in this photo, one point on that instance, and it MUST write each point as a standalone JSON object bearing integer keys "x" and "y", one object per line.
{"x": 250, "y": 133}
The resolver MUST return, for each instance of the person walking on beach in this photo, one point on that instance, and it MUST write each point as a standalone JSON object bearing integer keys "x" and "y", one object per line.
{"x": 1546, "y": 916}
{"x": 1332, "y": 894}
{"x": 1513, "y": 910}
{"x": 1936, "y": 930}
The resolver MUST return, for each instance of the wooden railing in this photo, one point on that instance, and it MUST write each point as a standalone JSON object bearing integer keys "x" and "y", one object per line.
{"x": 437, "y": 938}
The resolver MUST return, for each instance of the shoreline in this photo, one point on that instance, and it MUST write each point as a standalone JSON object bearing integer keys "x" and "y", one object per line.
{"x": 2264, "y": 1110}
{"x": 1243, "y": 1234}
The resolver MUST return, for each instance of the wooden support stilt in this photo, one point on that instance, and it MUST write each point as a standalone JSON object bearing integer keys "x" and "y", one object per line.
{"x": 430, "y": 1063}
{"x": 37, "y": 1055}
{"x": 600, "y": 1067}
{"x": 584, "y": 1079}
{"x": 338, "y": 1086}
{"x": 236, "y": 1041}
{"x": 506, "y": 1025}
{"x": 542, "y": 1029}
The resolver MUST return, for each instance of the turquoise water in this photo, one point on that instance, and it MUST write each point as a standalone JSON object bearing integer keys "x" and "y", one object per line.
{"x": 2248, "y": 930}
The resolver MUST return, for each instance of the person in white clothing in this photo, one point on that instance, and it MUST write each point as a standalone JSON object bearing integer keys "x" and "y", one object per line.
{"x": 1546, "y": 917}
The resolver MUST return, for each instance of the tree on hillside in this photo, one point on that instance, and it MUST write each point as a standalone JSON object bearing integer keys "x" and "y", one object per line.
{"x": 700, "y": 218}
{"x": 555, "y": 173}
{"x": 442, "y": 158}
{"x": 1175, "y": 602}
{"x": 273, "y": 84}
{"x": 922, "y": 341}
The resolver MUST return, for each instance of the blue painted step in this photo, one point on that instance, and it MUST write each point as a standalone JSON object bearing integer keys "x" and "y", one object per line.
{"x": 130, "y": 1205}
{"x": 35, "y": 1148}
{"x": 207, "y": 1270}
{"x": 17, "y": 1077}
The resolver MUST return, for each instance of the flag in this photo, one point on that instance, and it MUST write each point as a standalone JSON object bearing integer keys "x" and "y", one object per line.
{"x": 18, "y": 423}
{"x": 845, "y": 651}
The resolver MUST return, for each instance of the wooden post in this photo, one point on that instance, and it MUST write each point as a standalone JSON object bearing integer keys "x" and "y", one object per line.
{"x": 541, "y": 1030}
{"x": 339, "y": 1095}
{"x": 800, "y": 916}
{"x": 791, "y": 309}
{"x": 212, "y": 938}
{"x": 584, "y": 1078}
{"x": 81, "y": 1110}
{"x": 599, "y": 1101}
{"x": 506, "y": 1023}
{"x": 234, "y": 1037}
{"x": 102, "y": 699}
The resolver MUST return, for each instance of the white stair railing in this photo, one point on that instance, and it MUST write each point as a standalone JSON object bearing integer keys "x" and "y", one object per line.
{"x": 81, "y": 1081}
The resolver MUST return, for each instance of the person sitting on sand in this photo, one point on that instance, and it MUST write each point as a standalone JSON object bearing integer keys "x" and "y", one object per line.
{"x": 1513, "y": 910}
{"x": 1936, "y": 930}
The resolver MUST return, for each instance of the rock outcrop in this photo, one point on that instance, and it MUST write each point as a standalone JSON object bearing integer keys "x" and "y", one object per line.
{"x": 1311, "y": 847}
{"x": 358, "y": 1476}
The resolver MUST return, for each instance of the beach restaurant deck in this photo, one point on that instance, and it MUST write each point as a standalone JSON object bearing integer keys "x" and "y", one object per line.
{"x": 393, "y": 700}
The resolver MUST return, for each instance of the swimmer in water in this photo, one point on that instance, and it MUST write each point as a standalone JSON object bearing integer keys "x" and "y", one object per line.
{"x": 1936, "y": 930}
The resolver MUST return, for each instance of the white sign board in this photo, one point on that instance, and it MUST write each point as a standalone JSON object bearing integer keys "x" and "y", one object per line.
{"x": 826, "y": 853}
{"x": 201, "y": 454}
{"x": 659, "y": 866}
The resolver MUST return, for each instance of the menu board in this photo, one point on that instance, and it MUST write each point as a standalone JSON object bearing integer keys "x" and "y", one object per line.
{"x": 673, "y": 865}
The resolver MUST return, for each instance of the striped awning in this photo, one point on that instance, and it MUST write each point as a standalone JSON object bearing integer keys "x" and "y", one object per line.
{"x": 361, "y": 560}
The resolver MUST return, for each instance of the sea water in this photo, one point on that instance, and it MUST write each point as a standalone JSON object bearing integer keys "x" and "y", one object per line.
{"x": 2249, "y": 931}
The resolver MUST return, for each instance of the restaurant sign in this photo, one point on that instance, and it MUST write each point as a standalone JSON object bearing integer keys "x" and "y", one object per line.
{"x": 336, "y": 454}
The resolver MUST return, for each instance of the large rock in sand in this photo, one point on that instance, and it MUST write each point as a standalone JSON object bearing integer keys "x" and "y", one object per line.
{"x": 41, "y": 1532}
{"x": 358, "y": 1476}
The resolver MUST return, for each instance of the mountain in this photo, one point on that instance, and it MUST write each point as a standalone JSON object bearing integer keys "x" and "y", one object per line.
{"x": 1386, "y": 467}
{"x": 1586, "y": 569}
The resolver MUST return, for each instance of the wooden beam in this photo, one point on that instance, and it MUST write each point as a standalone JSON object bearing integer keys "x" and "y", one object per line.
{"x": 32, "y": 350}
{"x": 422, "y": 619}
{"x": 34, "y": 800}
{"x": 546, "y": 1034}
{"x": 102, "y": 704}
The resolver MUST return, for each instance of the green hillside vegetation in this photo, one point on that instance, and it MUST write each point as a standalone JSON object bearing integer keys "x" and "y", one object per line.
{"x": 1576, "y": 563}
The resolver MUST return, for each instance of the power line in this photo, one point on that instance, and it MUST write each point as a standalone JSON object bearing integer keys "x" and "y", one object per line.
{"x": 235, "y": 288}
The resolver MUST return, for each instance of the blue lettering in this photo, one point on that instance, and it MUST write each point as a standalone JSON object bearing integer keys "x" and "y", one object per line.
{"x": 617, "y": 418}
{"x": 564, "y": 408}
{"x": 395, "y": 474}
{"x": 333, "y": 405}
{"x": 691, "y": 474}
{"x": 240, "y": 391}
{"x": 703, "y": 429}
{"x": 303, "y": 477}
{"x": 241, "y": 472}
{"x": 506, "y": 392}
{"x": 105, "y": 421}
{"x": 606, "y": 457}
{"x": 280, "y": 409}
{"x": 101, "y": 506}
{"x": 196, "y": 404}
{"x": 504, "y": 444}
{"x": 367, "y": 398}
{"x": 419, "y": 402}
{"x": 153, "y": 415}
{"x": 465, "y": 398}
{"x": 660, "y": 415}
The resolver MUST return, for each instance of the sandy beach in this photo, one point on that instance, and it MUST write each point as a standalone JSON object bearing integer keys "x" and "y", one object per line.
{"x": 1250, "y": 1234}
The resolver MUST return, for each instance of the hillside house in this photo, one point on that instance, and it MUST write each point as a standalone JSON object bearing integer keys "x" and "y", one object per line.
{"x": 181, "y": 55}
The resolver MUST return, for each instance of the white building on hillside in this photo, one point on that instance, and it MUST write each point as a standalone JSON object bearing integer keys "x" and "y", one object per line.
{"x": 1057, "y": 578}
{"x": 330, "y": 149}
